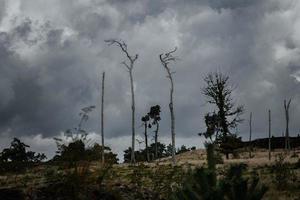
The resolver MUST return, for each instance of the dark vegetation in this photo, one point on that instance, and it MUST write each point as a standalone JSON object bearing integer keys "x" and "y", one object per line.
{"x": 227, "y": 116}
{"x": 203, "y": 183}
{"x": 163, "y": 151}
{"x": 17, "y": 159}
{"x": 276, "y": 142}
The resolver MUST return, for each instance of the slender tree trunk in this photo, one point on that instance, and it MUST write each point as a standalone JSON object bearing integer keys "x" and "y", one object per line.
{"x": 250, "y": 135}
{"x": 165, "y": 59}
{"x": 156, "y": 139}
{"x": 102, "y": 117}
{"x": 129, "y": 66}
{"x": 269, "y": 134}
{"x": 146, "y": 142}
{"x": 286, "y": 129}
{"x": 132, "y": 116}
{"x": 171, "y": 106}
{"x": 287, "y": 118}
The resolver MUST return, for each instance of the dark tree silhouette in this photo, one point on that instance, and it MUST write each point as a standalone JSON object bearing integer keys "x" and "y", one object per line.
{"x": 141, "y": 155}
{"x": 218, "y": 92}
{"x": 17, "y": 153}
{"x": 145, "y": 121}
{"x": 212, "y": 126}
{"x": 165, "y": 59}
{"x": 77, "y": 151}
{"x": 182, "y": 149}
{"x": 95, "y": 153}
{"x": 154, "y": 114}
{"x": 129, "y": 66}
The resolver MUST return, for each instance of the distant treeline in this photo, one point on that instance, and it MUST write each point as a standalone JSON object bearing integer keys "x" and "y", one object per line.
{"x": 276, "y": 142}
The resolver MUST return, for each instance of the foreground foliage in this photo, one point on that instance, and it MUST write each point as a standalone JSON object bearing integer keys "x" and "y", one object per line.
{"x": 203, "y": 183}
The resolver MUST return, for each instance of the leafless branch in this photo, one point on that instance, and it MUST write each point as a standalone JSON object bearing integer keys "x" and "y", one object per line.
{"x": 123, "y": 47}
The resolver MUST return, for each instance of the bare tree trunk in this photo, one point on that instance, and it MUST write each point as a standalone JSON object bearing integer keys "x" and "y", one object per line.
{"x": 102, "y": 118}
{"x": 171, "y": 106}
{"x": 287, "y": 118}
{"x": 165, "y": 60}
{"x": 129, "y": 66}
{"x": 269, "y": 134}
{"x": 146, "y": 141}
{"x": 156, "y": 139}
{"x": 250, "y": 135}
{"x": 132, "y": 117}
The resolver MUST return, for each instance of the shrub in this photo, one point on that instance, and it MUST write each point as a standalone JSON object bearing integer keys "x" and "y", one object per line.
{"x": 282, "y": 172}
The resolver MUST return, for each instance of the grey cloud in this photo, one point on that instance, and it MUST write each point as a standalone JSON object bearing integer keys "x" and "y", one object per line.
{"x": 232, "y": 4}
{"x": 2, "y": 10}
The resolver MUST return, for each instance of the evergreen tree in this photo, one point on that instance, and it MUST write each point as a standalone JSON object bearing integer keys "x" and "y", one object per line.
{"x": 154, "y": 114}
{"x": 219, "y": 93}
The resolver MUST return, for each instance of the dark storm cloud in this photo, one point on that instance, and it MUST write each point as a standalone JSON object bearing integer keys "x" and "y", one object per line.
{"x": 52, "y": 59}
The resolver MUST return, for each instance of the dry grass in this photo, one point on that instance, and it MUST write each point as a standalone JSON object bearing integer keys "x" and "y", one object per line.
{"x": 260, "y": 158}
{"x": 195, "y": 158}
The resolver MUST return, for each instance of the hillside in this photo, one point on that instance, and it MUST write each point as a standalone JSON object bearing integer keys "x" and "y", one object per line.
{"x": 149, "y": 180}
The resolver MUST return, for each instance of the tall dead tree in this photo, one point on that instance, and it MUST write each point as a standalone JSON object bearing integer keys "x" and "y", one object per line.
{"x": 287, "y": 118}
{"x": 102, "y": 117}
{"x": 250, "y": 135}
{"x": 129, "y": 65}
{"x": 269, "y": 134}
{"x": 165, "y": 59}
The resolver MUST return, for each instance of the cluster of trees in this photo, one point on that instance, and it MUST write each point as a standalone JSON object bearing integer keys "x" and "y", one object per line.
{"x": 17, "y": 158}
{"x": 77, "y": 151}
{"x": 154, "y": 151}
{"x": 17, "y": 153}
{"x": 152, "y": 118}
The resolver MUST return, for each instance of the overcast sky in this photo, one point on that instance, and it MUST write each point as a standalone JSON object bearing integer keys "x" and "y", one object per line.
{"x": 52, "y": 54}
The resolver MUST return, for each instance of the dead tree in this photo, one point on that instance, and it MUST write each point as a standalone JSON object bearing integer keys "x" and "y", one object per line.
{"x": 269, "y": 134}
{"x": 165, "y": 59}
{"x": 250, "y": 135}
{"x": 129, "y": 65}
{"x": 102, "y": 117}
{"x": 287, "y": 118}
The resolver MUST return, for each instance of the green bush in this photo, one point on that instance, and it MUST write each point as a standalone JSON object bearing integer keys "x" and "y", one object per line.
{"x": 282, "y": 172}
